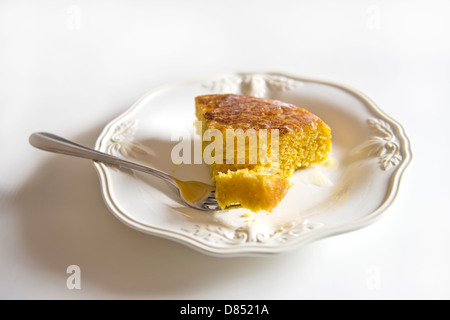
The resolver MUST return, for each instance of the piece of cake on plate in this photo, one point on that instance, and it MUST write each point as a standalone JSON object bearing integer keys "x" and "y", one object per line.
{"x": 263, "y": 142}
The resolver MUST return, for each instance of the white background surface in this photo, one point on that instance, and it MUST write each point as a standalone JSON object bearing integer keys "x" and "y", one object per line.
{"x": 69, "y": 67}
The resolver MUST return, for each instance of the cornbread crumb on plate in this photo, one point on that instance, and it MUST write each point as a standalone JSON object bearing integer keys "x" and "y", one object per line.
{"x": 303, "y": 140}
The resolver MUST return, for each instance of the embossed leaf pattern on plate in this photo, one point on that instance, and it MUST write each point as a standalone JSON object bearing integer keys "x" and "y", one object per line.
{"x": 382, "y": 144}
{"x": 252, "y": 84}
{"x": 250, "y": 234}
{"x": 122, "y": 140}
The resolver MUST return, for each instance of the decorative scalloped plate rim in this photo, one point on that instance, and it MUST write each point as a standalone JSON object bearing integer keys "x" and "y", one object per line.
{"x": 258, "y": 250}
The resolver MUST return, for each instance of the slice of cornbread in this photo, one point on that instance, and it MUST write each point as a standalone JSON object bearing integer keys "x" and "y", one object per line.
{"x": 293, "y": 137}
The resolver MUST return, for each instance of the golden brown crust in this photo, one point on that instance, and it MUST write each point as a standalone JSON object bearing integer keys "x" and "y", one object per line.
{"x": 223, "y": 111}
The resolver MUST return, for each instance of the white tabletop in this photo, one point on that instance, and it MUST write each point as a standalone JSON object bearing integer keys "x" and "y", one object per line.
{"x": 71, "y": 67}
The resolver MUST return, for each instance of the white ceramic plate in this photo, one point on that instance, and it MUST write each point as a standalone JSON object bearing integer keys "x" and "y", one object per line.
{"x": 370, "y": 152}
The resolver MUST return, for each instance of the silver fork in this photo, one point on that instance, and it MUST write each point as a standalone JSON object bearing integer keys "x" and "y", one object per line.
{"x": 195, "y": 194}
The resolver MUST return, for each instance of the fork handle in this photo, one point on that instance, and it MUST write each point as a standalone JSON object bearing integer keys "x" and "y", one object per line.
{"x": 53, "y": 143}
